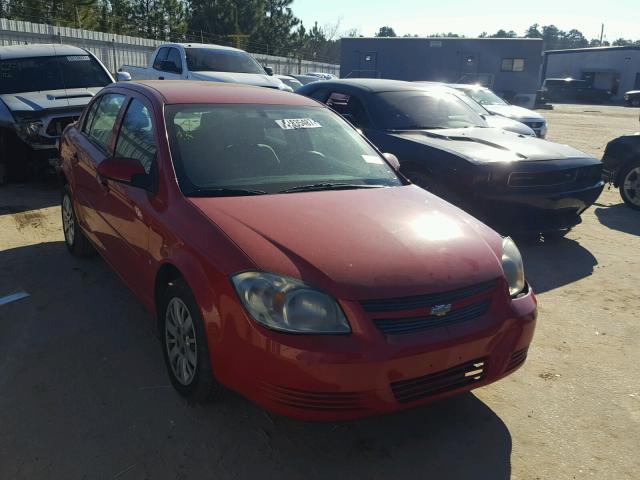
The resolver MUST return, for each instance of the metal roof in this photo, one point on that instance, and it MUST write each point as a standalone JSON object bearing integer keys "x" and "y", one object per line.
{"x": 594, "y": 49}
{"x": 39, "y": 50}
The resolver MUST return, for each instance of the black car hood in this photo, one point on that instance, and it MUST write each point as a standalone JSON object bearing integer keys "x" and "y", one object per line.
{"x": 490, "y": 145}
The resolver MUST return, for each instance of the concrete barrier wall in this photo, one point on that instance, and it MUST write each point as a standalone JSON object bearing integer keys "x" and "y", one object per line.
{"x": 116, "y": 50}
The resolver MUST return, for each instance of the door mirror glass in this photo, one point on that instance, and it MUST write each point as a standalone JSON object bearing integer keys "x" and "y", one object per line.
{"x": 124, "y": 170}
{"x": 393, "y": 161}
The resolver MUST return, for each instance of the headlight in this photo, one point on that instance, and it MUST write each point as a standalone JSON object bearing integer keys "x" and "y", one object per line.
{"x": 289, "y": 305}
{"x": 30, "y": 129}
{"x": 512, "y": 266}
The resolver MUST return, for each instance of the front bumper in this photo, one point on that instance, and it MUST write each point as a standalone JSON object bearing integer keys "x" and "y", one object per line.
{"x": 536, "y": 211}
{"x": 331, "y": 378}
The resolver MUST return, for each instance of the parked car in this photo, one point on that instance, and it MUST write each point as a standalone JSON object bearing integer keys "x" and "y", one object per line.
{"x": 284, "y": 257}
{"x": 516, "y": 184}
{"x": 304, "y": 79}
{"x": 498, "y": 106}
{"x": 209, "y": 63}
{"x": 622, "y": 167}
{"x": 572, "y": 90}
{"x": 290, "y": 82}
{"x": 493, "y": 120}
{"x": 43, "y": 88}
{"x": 632, "y": 98}
{"x": 322, "y": 75}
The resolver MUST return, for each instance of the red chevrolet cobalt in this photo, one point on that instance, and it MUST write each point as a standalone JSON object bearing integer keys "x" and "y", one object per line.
{"x": 283, "y": 255}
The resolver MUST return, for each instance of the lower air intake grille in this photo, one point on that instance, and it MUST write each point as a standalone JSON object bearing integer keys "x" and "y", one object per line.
{"x": 517, "y": 359}
{"x": 459, "y": 376}
{"x": 319, "y": 401}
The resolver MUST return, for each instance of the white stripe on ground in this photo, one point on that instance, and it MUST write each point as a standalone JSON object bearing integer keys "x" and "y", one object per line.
{"x": 13, "y": 297}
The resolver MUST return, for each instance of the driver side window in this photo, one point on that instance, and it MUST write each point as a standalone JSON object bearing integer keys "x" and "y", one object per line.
{"x": 137, "y": 138}
{"x": 350, "y": 107}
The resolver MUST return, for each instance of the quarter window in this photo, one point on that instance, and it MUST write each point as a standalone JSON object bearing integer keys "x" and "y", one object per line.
{"x": 136, "y": 138}
{"x": 99, "y": 126}
{"x": 512, "y": 65}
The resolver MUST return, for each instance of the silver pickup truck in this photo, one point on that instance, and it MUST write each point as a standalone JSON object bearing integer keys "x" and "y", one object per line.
{"x": 43, "y": 88}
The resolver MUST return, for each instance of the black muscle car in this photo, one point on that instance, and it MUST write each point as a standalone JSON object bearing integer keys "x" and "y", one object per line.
{"x": 622, "y": 167}
{"x": 512, "y": 182}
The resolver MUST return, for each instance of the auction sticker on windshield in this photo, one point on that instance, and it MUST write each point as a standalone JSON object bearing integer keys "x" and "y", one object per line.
{"x": 297, "y": 123}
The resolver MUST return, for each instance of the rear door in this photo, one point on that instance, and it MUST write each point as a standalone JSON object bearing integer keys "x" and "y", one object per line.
{"x": 94, "y": 144}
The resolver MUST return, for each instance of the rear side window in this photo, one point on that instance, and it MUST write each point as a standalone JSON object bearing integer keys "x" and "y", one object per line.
{"x": 136, "y": 138}
{"x": 100, "y": 122}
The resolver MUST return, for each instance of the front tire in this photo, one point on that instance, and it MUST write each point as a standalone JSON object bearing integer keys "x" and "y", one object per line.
{"x": 184, "y": 344}
{"x": 75, "y": 240}
{"x": 630, "y": 185}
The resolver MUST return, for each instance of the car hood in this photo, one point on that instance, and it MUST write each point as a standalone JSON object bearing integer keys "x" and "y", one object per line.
{"x": 498, "y": 121}
{"x": 361, "y": 244}
{"x": 515, "y": 112}
{"x": 489, "y": 145}
{"x": 49, "y": 99}
{"x": 255, "y": 79}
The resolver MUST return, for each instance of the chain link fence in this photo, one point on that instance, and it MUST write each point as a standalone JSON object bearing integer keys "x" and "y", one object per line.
{"x": 117, "y": 50}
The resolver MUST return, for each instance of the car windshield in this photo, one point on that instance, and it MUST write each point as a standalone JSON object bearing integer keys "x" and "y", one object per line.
{"x": 424, "y": 110}
{"x": 244, "y": 149}
{"x": 219, "y": 60}
{"x": 51, "y": 73}
{"x": 484, "y": 96}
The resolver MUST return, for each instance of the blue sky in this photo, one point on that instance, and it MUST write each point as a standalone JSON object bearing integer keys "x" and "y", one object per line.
{"x": 471, "y": 17}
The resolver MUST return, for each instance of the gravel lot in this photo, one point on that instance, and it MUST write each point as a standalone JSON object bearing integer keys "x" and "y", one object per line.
{"x": 84, "y": 394}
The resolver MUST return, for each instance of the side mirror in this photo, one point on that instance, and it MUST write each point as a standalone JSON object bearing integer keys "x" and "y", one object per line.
{"x": 268, "y": 70}
{"x": 393, "y": 161}
{"x": 123, "y": 77}
{"x": 124, "y": 170}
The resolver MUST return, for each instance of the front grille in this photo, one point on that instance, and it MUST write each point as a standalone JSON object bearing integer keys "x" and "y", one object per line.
{"x": 398, "y": 326}
{"x": 57, "y": 125}
{"x": 318, "y": 401}
{"x": 517, "y": 359}
{"x": 463, "y": 375}
{"x": 429, "y": 300}
{"x": 534, "y": 124}
{"x": 542, "y": 179}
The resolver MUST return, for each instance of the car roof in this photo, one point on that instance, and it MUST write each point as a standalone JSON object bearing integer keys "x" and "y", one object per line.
{"x": 375, "y": 85}
{"x": 189, "y": 91}
{"x": 202, "y": 45}
{"x": 468, "y": 86}
{"x": 39, "y": 50}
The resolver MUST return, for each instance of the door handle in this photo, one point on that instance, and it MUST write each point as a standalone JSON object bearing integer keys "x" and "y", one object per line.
{"x": 104, "y": 182}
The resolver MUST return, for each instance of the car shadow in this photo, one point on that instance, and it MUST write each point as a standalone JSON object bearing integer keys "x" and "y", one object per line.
{"x": 554, "y": 263}
{"x": 82, "y": 349}
{"x": 18, "y": 198}
{"x": 619, "y": 217}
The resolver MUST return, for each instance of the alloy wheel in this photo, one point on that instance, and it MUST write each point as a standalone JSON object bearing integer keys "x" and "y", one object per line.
{"x": 631, "y": 186}
{"x": 180, "y": 340}
{"x": 68, "y": 220}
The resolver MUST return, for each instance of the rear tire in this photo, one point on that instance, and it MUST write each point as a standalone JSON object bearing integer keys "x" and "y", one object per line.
{"x": 75, "y": 240}
{"x": 630, "y": 185}
{"x": 184, "y": 344}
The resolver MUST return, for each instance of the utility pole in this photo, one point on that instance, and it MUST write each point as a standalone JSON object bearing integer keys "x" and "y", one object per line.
{"x": 601, "y": 34}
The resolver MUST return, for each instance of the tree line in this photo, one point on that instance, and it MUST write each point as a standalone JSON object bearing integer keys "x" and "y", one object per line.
{"x": 261, "y": 26}
{"x": 553, "y": 37}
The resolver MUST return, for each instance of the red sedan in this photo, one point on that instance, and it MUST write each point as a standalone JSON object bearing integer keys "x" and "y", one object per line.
{"x": 283, "y": 255}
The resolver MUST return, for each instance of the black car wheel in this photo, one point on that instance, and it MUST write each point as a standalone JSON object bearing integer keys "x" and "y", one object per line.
{"x": 635, "y": 102}
{"x": 630, "y": 185}
{"x": 184, "y": 344}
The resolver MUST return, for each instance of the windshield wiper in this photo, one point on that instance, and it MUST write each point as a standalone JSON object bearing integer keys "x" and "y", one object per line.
{"x": 328, "y": 186}
{"x": 223, "y": 192}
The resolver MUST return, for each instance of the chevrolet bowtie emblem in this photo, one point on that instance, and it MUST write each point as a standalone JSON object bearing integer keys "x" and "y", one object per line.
{"x": 441, "y": 310}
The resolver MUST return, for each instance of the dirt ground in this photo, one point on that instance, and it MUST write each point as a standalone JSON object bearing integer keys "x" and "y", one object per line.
{"x": 84, "y": 393}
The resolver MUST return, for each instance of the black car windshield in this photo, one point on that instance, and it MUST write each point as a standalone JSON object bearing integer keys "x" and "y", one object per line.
{"x": 51, "y": 73}
{"x": 248, "y": 149}
{"x": 484, "y": 96}
{"x": 219, "y": 60}
{"x": 424, "y": 110}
